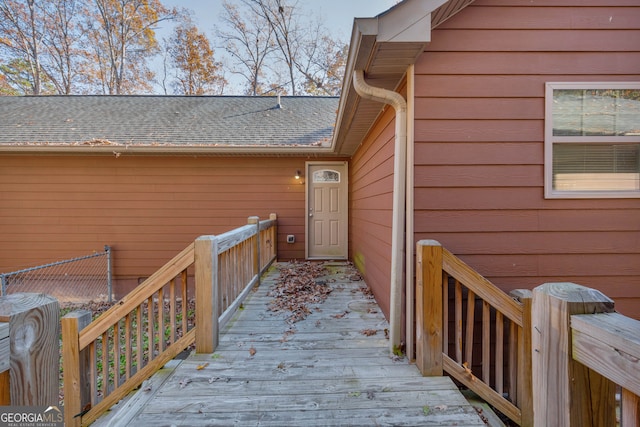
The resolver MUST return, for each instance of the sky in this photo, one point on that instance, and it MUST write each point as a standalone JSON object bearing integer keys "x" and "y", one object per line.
{"x": 337, "y": 15}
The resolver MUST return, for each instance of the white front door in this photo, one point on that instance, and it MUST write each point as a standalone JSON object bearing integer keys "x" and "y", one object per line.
{"x": 327, "y": 210}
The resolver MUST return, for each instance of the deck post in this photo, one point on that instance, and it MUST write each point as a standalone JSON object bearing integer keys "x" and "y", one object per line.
{"x": 5, "y": 384}
{"x": 524, "y": 384}
{"x": 429, "y": 309}
{"x": 256, "y": 247}
{"x": 34, "y": 348}
{"x": 274, "y": 233}
{"x": 76, "y": 363}
{"x": 206, "y": 290}
{"x": 567, "y": 393}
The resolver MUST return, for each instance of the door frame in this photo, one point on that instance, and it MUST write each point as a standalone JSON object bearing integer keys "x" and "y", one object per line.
{"x": 307, "y": 187}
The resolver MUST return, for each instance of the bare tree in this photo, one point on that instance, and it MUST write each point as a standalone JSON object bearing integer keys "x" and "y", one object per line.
{"x": 278, "y": 50}
{"x": 249, "y": 42}
{"x": 61, "y": 44}
{"x": 322, "y": 63}
{"x": 284, "y": 21}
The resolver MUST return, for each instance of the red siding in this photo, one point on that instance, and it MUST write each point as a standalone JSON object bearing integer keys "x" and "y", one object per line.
{"x": 479, "y": 144}
{"x": 371, "y": 194}
{"x": 146, "y": 208}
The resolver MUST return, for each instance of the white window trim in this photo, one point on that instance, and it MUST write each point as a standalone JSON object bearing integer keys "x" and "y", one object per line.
{"x": 549, "y": 140}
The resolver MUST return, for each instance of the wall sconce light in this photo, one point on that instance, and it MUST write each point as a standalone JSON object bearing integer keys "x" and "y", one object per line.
{"x": 298, "y": 174}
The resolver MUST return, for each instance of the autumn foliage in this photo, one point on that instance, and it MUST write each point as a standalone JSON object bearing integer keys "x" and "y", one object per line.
{"x": 111, "y": 47}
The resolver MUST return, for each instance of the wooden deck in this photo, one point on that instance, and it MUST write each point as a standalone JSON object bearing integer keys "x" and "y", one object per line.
{"x": 323, "y": 371}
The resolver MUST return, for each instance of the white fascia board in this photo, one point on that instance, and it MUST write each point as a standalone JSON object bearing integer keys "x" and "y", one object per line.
{"x": 409, "y": 21}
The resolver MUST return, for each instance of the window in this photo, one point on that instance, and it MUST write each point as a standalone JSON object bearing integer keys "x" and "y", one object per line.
{"x": 326, "y": 176}
{"x": 592, "y": 140}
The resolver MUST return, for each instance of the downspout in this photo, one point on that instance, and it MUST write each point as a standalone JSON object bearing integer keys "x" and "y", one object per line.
{"x": 398, "y": 219}
{"x": 409, "y": 226}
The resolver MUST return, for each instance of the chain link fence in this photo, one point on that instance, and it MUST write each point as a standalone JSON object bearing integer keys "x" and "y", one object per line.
{"x": 77, "y": 280}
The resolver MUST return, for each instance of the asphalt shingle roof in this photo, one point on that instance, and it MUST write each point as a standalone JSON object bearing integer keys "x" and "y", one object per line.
{"x": 167, "y": 120}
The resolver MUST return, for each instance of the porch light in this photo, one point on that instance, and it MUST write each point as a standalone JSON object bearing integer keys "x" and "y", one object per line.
{"x": 298, "y": 174}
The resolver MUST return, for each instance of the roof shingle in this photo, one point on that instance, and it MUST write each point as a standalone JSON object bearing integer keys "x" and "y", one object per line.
{"x": 206, "y": 121}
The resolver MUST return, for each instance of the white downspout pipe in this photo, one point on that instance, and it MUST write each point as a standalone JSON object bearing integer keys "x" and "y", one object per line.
{"x": 398, "y": 219}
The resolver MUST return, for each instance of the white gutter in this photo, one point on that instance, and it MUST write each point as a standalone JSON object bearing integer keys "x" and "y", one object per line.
{"x": 398, "y": 219}
{"x": 409, "y": 227}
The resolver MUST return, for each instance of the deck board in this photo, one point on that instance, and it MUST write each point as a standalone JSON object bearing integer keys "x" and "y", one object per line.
{"x": 321, "y": 371}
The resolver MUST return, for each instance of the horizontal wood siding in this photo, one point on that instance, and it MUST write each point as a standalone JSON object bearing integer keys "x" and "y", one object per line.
{"x": 480, "y": 144}
{"x": 371, "y": 195}
{"x": 146, "y": 208}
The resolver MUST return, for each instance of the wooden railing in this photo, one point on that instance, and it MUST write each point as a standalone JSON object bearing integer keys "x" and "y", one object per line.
{"x": 222, "y": 282}
{"x": 582, "y": 350}
{"x": 493, "y": 360}
{"x": 104, "y": 360}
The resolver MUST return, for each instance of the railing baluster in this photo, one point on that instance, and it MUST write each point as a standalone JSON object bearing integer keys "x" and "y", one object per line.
{"x": 486, "y": 342}
{"x": 93, "y": 373}
{"x": 185, "y": 302}
{"x": 127, "y": 345}
{"x": 445, "y": 313}
{"x": 499, "y": 366}
{"x": 139, "y": 341}
{"x": 513, "y": 361}
{"x": 116, "y": 355}
{"x": 160, "y": 320}
{"x": 105, "y": 364}
{"x": 150, "y": 329}
{"x": 458, "y": 332}
{"x": 468, "y": 345}
{"x": 172, "y": 311}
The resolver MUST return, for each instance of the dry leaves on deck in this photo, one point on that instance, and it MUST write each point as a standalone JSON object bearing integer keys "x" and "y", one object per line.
{"x": 297, "y": 288}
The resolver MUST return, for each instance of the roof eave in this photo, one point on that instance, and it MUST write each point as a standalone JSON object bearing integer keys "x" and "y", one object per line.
{"x": 119, "y": 150}
{"x": 383, "y": 47}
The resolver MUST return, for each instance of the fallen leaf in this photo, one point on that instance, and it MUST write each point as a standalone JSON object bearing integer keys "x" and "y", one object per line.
{"x": 252, "y": 351}
{"x": 297, "y": 289}
{"x": 465, "y": 366}
{"x": 440, "y": 407}
{"x": 183, "y": 382}
{"x": 368, "y": 332}
{"x": 201, "y": 367}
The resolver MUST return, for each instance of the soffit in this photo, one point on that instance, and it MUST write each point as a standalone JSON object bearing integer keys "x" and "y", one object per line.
{"x": 384, "y": 47}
